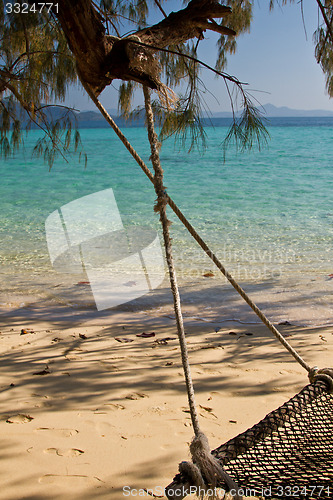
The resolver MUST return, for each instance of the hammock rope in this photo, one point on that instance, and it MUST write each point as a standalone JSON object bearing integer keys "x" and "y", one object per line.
{"x": 161, "y": 208}
{"x": 205, "y": 469}
{"x": 284, "y": 433}
{"x": 196, "y": 236}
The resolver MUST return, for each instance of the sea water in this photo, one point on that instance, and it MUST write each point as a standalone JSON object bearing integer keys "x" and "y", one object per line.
{"x": 268, "y": 214}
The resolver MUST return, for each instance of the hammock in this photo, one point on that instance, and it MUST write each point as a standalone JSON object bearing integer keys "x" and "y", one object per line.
{"x": 287, "y": 455}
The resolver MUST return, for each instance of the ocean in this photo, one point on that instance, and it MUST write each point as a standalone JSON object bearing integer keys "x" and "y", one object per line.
{"x": 268, "y": 215}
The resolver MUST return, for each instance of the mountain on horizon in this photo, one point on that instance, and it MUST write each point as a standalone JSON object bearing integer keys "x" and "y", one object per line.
{"x": 93, "y": 119}
{"x": 270, "y": 111}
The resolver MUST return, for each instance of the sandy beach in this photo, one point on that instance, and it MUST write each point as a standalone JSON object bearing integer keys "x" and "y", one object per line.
{"x": 91, "y": 410}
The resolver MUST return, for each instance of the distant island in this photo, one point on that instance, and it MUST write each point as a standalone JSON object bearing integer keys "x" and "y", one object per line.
{"x": 93, "y": 119}
{"x": 271, "y": 111}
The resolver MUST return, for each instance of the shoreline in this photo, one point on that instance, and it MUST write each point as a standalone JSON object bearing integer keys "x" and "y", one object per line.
{"x": 300, "y": 300}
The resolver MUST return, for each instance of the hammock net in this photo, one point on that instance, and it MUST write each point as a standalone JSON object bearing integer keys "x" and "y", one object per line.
{"x": 288, "y": 454}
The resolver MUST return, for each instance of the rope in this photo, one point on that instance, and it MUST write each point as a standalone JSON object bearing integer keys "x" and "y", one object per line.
{"x": 325, "y": 374}
{"x": 236, "y": 286}
{"x": 205, "y": 469}
{"x": 161, "y": 208}
{"x": 208, "y": 466}
{"x": 196, "y": 236}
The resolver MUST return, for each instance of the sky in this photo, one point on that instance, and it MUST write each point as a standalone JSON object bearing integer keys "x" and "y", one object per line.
{"x": 276, "y": 59}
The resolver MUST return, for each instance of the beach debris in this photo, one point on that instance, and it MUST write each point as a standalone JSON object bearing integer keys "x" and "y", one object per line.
{"x": 124, "y": 340}
{"x": 217, "y": 330}
{"x": 322, "y": 338}
{"x": 212, "y": 346}
{"x": 160, "y": 342}
{"x": 136, "y": 395}
{"x": 12, "y": 385}
{"x": 232, "y": 333}
{"x": 169, "y": 363}
{"x": 123, "y": 437}
{"x": 20, "y": 418}
{"x": 285, "y": 322}
{"x": 233, "y": 421}
{"x": 46, "y": 371}
{"x": 330, "y": 276}
{"x": 56, "y": 339}
{"x": 207, "y": 408}
{"x": 145, "y": 335}
{"x": 24, "y": 332}
{"x": 83, "y": 283}
{"x": 164, "y": 341}
{"x": 83, "y": 336}
{"x": 249, "y": 333}
{"x": 210, "y": 274}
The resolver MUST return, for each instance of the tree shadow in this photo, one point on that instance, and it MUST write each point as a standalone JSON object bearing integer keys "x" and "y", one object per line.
{"x": 95, "y": 369}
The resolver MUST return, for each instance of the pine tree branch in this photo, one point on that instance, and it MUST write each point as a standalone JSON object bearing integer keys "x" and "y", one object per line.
{"x": 224, "y": 75}
{"x": 327, "y": 22}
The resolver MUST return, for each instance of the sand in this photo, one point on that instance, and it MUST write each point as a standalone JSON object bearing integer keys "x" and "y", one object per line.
{"x": 89, "y": 410}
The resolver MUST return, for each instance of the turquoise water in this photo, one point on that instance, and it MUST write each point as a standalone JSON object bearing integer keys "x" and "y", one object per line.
{"x": 267, "y": 214}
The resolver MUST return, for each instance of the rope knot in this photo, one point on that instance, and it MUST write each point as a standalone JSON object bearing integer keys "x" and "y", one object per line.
{"x": 205, "y": 471}
{"x": 325, "y": 374}
{"x": 162, "y": 200}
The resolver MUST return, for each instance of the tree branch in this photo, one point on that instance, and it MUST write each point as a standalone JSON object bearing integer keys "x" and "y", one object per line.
{"x": 101, "y": 58}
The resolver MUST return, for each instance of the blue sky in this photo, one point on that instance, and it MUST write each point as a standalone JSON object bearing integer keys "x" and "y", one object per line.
{"x": 276, "y": 59}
